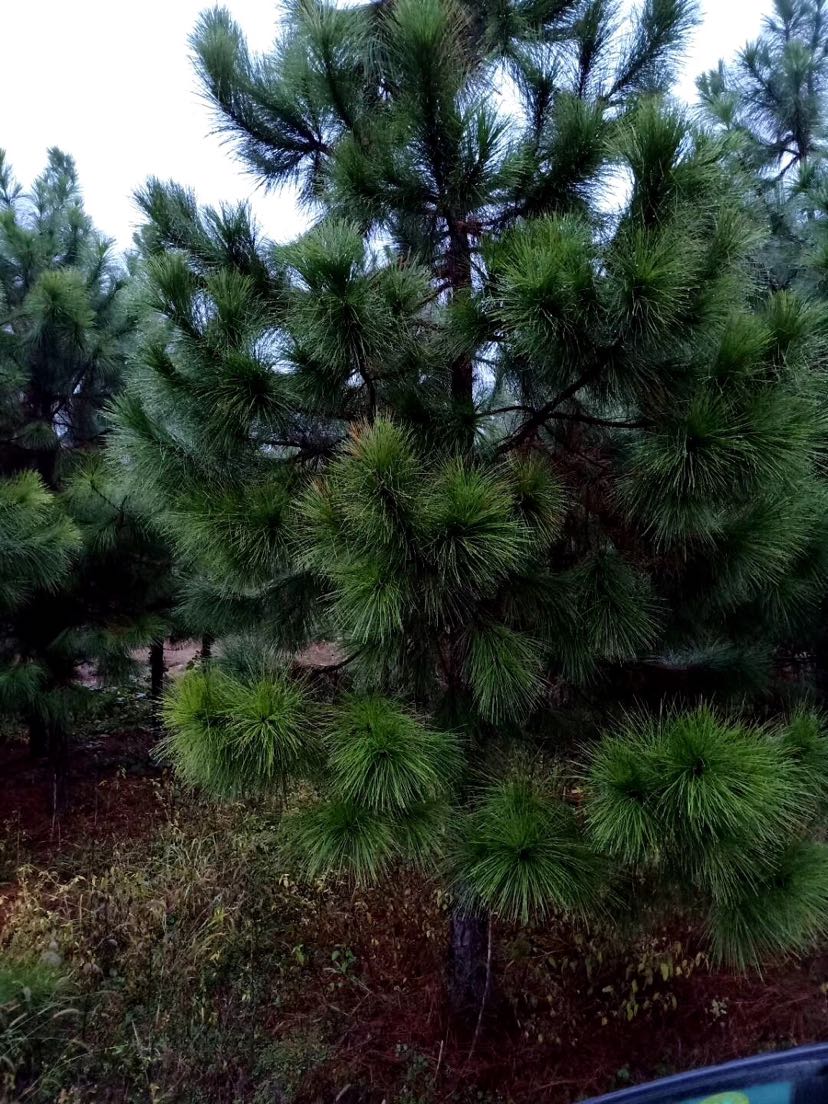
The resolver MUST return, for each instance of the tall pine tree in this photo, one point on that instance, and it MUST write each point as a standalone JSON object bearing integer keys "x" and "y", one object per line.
{"x": 771, "y": 106}
{"x": 514, "y": 427}
{"x": 82, "y": 577}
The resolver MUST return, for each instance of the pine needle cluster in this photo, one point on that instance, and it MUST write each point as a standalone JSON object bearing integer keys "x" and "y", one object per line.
{"x": 722, "y": 812}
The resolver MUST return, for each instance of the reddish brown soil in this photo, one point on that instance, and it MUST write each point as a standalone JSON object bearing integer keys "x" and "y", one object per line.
{"x": 110, "y": 796}
{"x": 108, "y": 793}
{"x": 553, "y": 1034}
{"x": 558, "y": 1028}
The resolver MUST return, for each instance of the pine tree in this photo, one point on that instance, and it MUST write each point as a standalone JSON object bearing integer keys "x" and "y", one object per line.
{"x": 772, "y": 98}
{"x": 82, "y": 577}
{"x": 771, "y": 104}
{"x": 515, "y": 427}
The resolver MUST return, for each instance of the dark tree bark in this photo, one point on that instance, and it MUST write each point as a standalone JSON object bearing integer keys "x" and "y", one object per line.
{"x": 58, "y": 740}
{"x": 467, "y": 981}
{"x": 459, "y": 273}
{"x": 157, "y": 671}
{"x": 38, "y": 737}
{"x": 207, "y": 642}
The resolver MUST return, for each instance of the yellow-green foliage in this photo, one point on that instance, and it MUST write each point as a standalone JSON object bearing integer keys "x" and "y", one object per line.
{"x": 155, "y": 944}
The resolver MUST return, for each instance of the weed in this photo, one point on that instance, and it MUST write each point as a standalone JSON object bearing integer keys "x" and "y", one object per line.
{"x": 283, "y": 1064}
{"x": 37, "y": 1029}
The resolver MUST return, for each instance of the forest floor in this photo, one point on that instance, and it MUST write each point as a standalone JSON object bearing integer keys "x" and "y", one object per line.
{"x": 167, "y": 954}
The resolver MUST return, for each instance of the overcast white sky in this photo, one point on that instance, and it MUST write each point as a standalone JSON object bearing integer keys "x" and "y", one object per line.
{"x": 110, "y": 82}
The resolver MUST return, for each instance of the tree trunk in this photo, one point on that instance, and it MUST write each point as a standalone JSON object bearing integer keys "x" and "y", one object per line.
{"x": 157, "y": 671}
{"x": 459, "y": 272}
{"x": 49, "y": 740}
{"x": 59, "y": 766}
{"x": 38, "y": 737}
{"x": 207, "y": 642}
{"x": 468, "y": 971}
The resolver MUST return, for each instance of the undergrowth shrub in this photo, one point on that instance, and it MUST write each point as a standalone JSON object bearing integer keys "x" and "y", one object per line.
{"x": 195, "y": 966}
{"x": 37, "y": 1027}
{"x": 166, "y": 946}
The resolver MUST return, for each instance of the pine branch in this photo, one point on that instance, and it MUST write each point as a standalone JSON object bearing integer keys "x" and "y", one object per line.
{"x": 586, "y": 419}
{"x": 538, "y": 419}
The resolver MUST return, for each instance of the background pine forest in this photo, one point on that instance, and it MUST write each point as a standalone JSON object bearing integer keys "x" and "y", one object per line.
{"x": 412, "y": 637}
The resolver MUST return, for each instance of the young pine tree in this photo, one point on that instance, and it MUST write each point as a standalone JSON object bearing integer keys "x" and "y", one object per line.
{"x": 514, "y": 427}
{"x": 81, "y": 577}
